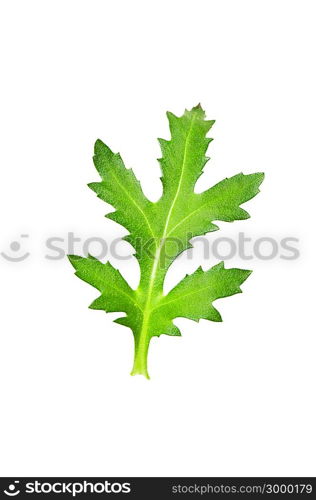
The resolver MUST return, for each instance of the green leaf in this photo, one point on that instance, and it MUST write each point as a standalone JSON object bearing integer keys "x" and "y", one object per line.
{"x": 193, "y": 297}
{"x": 160, "y": 231}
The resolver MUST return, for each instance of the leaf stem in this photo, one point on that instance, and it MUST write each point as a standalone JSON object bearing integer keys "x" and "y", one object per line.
{"x": 142, "y": 343}
{"x": 140, "y": 358}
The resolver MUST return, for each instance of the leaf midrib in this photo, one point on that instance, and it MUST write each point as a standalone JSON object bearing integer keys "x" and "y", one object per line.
{"x": 181, "y": 297}
{"x": 147, "y": 309}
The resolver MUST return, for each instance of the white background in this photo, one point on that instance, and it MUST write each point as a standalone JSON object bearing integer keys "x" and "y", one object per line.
{"x": 236, "y": 398}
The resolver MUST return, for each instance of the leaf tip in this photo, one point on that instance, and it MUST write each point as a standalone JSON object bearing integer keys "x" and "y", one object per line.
{"x": 98, "y": 146}
{"x": 247, "y": 273}
{"x": 261, "y": 175}
{"x": 244, "y": 274}
{"x": 258, "y": 179}
{"x": 171, "y": 116}
{"x": 73, "y": 259}
{"x": 198, "y": 107}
